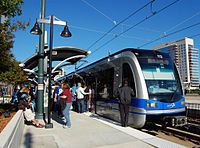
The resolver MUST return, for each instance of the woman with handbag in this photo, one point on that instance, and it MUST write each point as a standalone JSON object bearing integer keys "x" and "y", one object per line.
{"x": 66, "y": 96}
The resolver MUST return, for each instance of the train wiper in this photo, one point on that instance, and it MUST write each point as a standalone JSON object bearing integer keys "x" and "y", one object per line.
{"x": 174, "y": 94}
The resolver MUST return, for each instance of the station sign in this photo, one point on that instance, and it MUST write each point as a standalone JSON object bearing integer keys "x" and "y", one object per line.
{"x": 40, "y": 86}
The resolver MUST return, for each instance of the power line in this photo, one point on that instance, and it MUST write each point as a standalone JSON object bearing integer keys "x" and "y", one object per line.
{"x": 148, "y": 29}
{"x": 170, "y": 34}
{"x": 138, "y": 38}
{"x": 119, "y": 24}
{"x": 97, "y": 31}
{"x": 98, "y": 11}
{"x": 136, "y": 25}
{"x": 194, "y": 35}
{"x": 183, "y": 22}
{"x": 87, "y": 29}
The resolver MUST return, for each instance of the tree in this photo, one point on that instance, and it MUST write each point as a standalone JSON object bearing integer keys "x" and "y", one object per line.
{"x": 14, "y": 75}
{"x": 8, "y": 65}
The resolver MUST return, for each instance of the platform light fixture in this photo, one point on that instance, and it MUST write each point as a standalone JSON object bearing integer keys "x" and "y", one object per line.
{"x": 65, "y": 33}
{"x": 36, "y": 29}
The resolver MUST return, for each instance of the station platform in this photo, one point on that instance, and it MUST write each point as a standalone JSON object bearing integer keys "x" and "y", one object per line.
{"x": 89, "y": 131}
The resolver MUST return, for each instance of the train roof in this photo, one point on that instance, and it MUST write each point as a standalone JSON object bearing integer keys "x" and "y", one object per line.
{"x": 140, "y": 52}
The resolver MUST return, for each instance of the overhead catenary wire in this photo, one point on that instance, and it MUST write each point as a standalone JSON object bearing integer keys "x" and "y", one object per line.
{"x": 170, "y": 34}
{"x": 99, "y": 11}
{"x": 109, "y": 18}
{"x": 147, "y": 29}
{"x": 97, "y": 31}
{"x": 119, "y": 24}
{"x": 135, "y": 25}
{"x": 183, "y": 22}
{"x": 194, "y": 35}
{"x": 133, "y": 37}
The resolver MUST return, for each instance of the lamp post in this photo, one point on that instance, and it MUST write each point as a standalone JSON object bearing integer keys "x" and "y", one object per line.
{"x": 65, "y": 33}
{"x": 40, "y": 91}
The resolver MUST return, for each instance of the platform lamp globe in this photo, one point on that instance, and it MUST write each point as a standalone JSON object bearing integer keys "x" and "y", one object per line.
{"x": 65, "y": 33}
{"x": 36, "y": 29}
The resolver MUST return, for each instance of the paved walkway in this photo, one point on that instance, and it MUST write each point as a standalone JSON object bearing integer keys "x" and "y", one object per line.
{"x": 84, "y": 133}
{"x": 88, "y": 131}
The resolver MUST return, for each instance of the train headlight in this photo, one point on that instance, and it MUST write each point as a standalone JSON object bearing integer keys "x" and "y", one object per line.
{"x": 182, "y": 103}
{"x": 152, "y": 105}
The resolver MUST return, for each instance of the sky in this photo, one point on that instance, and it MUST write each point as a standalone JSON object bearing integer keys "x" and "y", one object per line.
{"x": 89, "y": 20}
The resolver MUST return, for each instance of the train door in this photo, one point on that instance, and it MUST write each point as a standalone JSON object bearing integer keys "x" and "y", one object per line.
{"x": 127, "y": 75}
{"x": 105, "y": 106}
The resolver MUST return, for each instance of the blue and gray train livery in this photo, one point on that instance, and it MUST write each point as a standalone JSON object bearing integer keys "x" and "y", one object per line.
{"x": 151, "y": 74}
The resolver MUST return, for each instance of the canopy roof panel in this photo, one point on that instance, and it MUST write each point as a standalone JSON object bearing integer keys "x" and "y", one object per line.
{"x": 59, "y": 53}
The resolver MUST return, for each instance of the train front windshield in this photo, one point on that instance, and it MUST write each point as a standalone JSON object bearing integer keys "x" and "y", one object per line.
{"x": 160, "y": 78}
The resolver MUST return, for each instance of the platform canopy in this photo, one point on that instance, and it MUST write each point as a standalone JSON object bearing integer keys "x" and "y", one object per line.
{"x": 59, "y": 53}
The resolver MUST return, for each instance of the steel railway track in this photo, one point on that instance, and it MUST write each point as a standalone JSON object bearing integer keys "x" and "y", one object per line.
{"x": 182, "y": 134}
{"x": 186, "y": 135}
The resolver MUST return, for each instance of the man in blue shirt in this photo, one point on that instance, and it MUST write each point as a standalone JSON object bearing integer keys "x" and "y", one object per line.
{"x": 73, "y": 93}
{"x": 58, "y": 91}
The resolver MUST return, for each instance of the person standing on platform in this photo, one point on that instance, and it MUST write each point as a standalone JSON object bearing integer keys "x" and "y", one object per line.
{"x": 74, "y": 102}
{"x": 58, "y": 91}
{"x": 124, "y": 94}
{"x": 80, "y": 98}
{"x": 87, "y": 98}
{"x": 66, "y": 95}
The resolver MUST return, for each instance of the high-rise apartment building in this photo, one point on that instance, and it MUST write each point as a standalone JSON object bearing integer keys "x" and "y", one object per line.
{"x": 186, "y": 57}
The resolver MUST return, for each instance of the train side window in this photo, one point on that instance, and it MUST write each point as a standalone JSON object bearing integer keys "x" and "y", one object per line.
{"x": 127, "y": 74}
{"x": 105, "y": 84}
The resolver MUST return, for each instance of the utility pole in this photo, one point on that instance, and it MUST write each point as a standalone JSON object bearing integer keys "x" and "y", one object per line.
{"x": 40, "y": 99}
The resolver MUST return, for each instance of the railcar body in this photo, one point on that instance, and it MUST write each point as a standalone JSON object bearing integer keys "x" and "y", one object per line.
{"x": 152, "y": 75}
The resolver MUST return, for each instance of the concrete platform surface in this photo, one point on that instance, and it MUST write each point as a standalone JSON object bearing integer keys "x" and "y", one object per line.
{"x": 89, "y": 131}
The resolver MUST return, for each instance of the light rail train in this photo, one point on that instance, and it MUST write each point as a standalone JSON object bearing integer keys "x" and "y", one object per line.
{"x": 151, "y": 74}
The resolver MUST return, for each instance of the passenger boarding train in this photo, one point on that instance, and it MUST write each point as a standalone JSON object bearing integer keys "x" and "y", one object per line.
{"x": 151, "y": 74}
